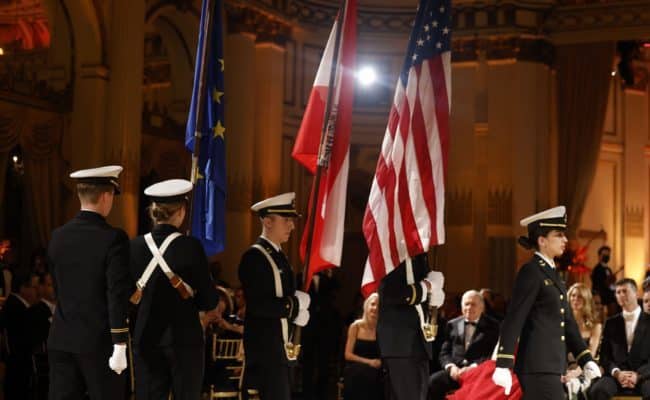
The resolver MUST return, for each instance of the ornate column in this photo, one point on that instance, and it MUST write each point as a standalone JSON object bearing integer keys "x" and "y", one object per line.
{"x": 635, "y": 184}
{"x": 123, "y": 134}
{"x": 269, "y": 104}
{"x": 481, "y": 169}
{"x": 239, "y": 70}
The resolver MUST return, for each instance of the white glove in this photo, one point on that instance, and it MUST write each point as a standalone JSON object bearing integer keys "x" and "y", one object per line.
{"x": 303, "y": 299}
{"x": 436, "y": 298}
{"x": 436, "y": 279}
{"x": 302, "y": 318}
{"x": 573, "y": 387}
{"x": 117, "y": 362}
{"x": 591, "y": 370}
{"x": 502, "y": 377}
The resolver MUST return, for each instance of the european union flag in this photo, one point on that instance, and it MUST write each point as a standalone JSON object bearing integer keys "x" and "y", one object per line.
{"x": 209, "y": 199}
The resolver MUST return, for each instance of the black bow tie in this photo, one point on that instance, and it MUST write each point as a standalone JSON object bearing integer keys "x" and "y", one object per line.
{"x": 470, "y": 323}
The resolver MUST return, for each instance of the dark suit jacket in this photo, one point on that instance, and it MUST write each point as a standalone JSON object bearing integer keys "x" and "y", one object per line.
{"x": 40, "y": 321}
{"x": 482, "y": 343}
{"x": 164, "y": 318}
{"x": 398, "y": 327}
{"x": 88, "y": 259}
{"x": 263, "y": 339}
{"x": 17, "y": 325}
{"x": 539, "y": 316}
{"x": 613, "y": 350}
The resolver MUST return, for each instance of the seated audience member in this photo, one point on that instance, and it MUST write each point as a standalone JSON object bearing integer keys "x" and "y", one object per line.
{"x": 582, "y": 306}
{"x": 489, "y": 301}
{"x": 17, "y": 325}
{"x": 41, "y": 312}
{"x": 469, "y": 341}
{"x": 625, "y": 348}
{"x": 38, "y": 262}
{"x": 646, "y": 300}
{"x": 362, "y": 373}
{"x": 599, "y": 309}
{"x": 40, "y": 317}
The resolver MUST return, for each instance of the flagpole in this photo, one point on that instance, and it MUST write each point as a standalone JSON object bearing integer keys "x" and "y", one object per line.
{"x": 326, "y": 139}
{"x": 207, "y": 37}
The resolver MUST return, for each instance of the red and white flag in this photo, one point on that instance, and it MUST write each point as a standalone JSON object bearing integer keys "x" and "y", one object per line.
{"x": 405, "y": 211}
{"x": 327, "y": 241}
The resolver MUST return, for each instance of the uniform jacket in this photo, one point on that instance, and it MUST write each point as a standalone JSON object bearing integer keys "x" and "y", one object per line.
{"x": 481, "y": 346}
{"x": 263, "y": 341}
{"x": 89, "y": 264}
{"x": 540, "y": 316}
{"x": 398, "y": 326}
{"x": 613, "y": 350}
{"x": 163, "y": 317}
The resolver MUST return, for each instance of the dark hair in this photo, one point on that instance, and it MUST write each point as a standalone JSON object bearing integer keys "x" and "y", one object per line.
{"x": 19, "y": 280}
{"x": 90, "y": 192}
{"x": 162, "y": 212}
{"x": 626, "y": 281}
{"x": 603, "y": 248}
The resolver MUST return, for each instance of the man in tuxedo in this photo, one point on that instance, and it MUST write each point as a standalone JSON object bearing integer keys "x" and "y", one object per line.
{"x": 470, "y": 340}
{"x": 16, "y": 321}
{"x": 625, "y": 348}
{"x": 40, "y": 317}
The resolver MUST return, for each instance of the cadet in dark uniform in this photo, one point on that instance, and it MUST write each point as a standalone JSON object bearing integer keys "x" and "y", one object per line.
{"x": 403, "y": 347}
{"x": 173, "y": 285}
{"x": 539, "y": 316}
{"x": 89, "y": 265}
{"x": 272, "y": 303}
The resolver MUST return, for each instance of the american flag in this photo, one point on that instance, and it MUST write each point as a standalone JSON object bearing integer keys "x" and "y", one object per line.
{"x": 405, "y": 211}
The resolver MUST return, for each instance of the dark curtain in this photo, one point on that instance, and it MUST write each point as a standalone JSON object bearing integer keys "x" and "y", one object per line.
{"x": 583, "y": 81}
{"x": 39, "y": 134}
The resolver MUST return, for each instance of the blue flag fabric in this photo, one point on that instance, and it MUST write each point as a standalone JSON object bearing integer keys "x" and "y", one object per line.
{"x": 209, "y": 198}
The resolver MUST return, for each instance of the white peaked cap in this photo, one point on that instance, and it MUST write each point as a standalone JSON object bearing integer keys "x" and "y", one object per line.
{"x": 282, "y": 204}
{"x": 169, "y": 191}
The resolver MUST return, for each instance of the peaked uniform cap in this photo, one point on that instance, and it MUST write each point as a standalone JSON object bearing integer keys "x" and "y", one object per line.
{"x": 552, "y": 218}
{"x": 106, "y": 175}
{"x": 169, "y": 191}
{"x": 283, "y": 204}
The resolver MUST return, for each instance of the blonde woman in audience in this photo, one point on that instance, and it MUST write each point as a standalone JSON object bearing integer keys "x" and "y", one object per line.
{"x": 362, "y": 374}
{"x": 582, "y": 306}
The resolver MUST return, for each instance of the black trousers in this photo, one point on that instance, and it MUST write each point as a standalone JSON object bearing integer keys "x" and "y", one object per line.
{"x": 73, "y": 375}
{"x": 168, "y": 369}
{"x": 18, "y": 379}
{"x": 439, "y": 384}
{"x": 607, "y": 387}
{"x": 408, "y": 377}
{"x": 271, "y": 381}
{"x": 541, "y": 386}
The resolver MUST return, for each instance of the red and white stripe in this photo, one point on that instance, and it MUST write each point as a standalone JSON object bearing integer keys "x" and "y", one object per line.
{"x": 327, "y": 237}
{"x": 405, "y": 211}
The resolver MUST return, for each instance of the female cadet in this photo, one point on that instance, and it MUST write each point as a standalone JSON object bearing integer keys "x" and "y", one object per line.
{"x": 540, "y": 316}
{"x": 173, "y": 285}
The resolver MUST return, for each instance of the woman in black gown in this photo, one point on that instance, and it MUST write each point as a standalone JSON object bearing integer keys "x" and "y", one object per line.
{"x": 363, "y": 374}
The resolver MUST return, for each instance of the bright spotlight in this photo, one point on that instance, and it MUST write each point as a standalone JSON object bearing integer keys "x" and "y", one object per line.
{"x": 366, "y": 76}
{"x": 614, "y": 73}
